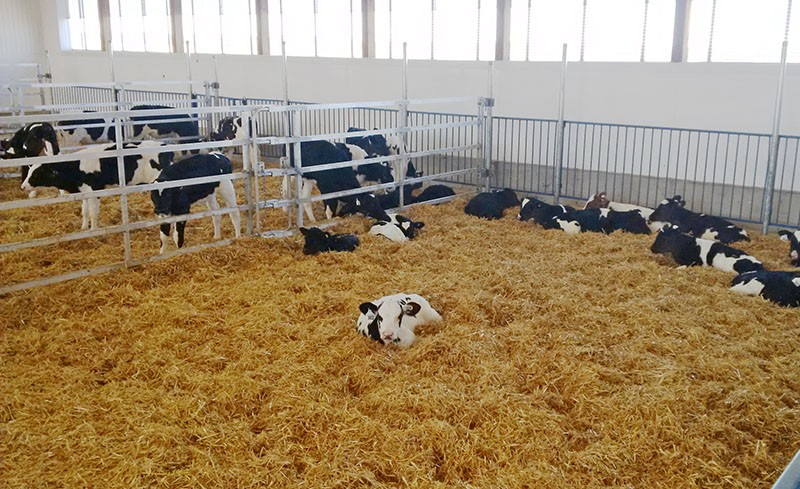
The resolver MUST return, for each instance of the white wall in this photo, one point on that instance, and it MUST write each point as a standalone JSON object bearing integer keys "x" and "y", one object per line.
{"x": 20, "y": 35}
{"x": 721, "y": 96}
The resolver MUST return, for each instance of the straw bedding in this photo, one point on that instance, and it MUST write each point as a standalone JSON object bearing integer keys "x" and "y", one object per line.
{"x": 562, "y": 361}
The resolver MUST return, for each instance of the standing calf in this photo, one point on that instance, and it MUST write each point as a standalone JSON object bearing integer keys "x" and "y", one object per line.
{"x": 175, "y": 201}
{"x": 794, "y": 245}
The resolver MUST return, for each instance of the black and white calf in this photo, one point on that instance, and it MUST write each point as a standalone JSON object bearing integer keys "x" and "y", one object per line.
{"x": 490, "y": 205}
{"x": 398, "y": 229}
{"x": 782, "y": 288}
{"x": 319, "y": 241}
{"x": 794, "y": 245}
{"x": 37, "y": 139}
{"x": 698, "y": 225}
{"x": 630, "y": 221}
{"x": 378, "y": 145}
{"x": 393, "y": 319}
{"x": 600, "y": 200}
{"x": 91, "y": 172}
{"x": 316, "y": 153}
{"x": 690, "y": 251}
{"x": 581, "y": 221}
{"x": 175, "y": 201}
{"x": 542, "y": 213}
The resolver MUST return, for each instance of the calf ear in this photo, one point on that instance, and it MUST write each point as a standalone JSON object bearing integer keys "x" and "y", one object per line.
{"x": 784, "y": 234}
{"x": 367, "y": 307}
{"x": 304, "y": 231}
{"x": 411, "y": 308}
{"x": 419, "y": 225}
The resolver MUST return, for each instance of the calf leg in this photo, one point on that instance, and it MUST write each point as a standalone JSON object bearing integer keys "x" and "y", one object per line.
{"x": 179, "y": 227}
{"x": 94, "y": 211}
{"x": 228, "y": 194}
{"x": 211, "y": 202}
{"x": 84, "y": 214}
{"x": 307, "y": 188}
{"x": 164, "y": 235}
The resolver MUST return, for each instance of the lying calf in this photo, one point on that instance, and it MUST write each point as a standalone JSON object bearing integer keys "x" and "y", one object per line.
{"x": 541, "y": 212}
{"x": 175, "y": 201}
{"x": 318, "y": 241}
{"x": 600, "y": 200}
{"x": 794, "y": 245}
{"x": 698, "y": 225}
{"x": 398, "y": 229}
{"x": 490, "y": 205}
{"x": 688, "y": 250}
{"x": 392, "y": 319}
{"x": 782, "y": 288}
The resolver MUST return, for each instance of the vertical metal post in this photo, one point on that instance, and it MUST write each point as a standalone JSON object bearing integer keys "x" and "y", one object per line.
{"x": 487, "y": 106}
{"x": 256, "y": 168}
{"x": 403, "y": 123}
{"x": 711, "y": 31}
{"x": 644, "y": 29}
{"x": 298, "y": 179}
{"x": 316, "y": 11}
{"x": 49, "y": 74}
{"x": 40, "y": 80}
{"x": 215, "y": 86}
{"x": 207, "y": 103}
{"x": 559, "y": 162}
{"x": 189, "y": 70}
{"x": 123, "y": 198}
{"x": 247, "y": 164}
{"x": 583, "y": 29}
{"x": 769, "y": 185}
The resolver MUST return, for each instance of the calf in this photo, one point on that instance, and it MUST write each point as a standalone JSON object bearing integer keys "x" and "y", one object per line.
{"x": 600, "y": 200}
{"x": 689, "y": 251}
{"x": 393, "y": 319}
{"x": 378, "y": 145}
{"x": 175, "y": 201}
{"x": 86, "y": 131}
{"x": 434, "y": 192}
{"x": 794, "y": 245}
{"x": 318, "y": 241}
{"x": 782, "y": 288}
{"x": 316, "y": 153}
{"x": 628, "y": 221}
{"x": 490, "y": 205}
{"x": 541, "y": 212}
{"x": 698, "y": 225}
{"x": 398, "y": 229}
{"x": 90, "y": 172}
{"x": 37, "y": 139}
{"x": 581, "y": 221}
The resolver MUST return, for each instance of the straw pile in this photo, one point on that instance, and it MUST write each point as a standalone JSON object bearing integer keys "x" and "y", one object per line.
{"x": 562, "y": 361}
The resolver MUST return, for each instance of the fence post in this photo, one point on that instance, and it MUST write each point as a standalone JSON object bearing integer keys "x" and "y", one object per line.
{"x": 402, "y": 123}
{"x": 486, "y": 107}
{"x": 559, "y": 162}
{"x": 774, "y": 139}
{"x": 123, "y": 198}
{"x": 207, "y": 103}
{"x": 248, "y": 167}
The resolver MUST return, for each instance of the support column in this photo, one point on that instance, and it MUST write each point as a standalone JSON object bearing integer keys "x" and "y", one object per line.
{"x": 503, "y": 45}
{"x": 680, "y": 33}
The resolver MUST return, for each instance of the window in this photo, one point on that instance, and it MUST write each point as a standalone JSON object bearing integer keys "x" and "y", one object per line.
{"x": 203, "y": 22}
{"x": 458, "y": 25}
{"x": 660, "y": 29}
{"x": 402, "y": 21}
{"x": 538, "y": 32}
{"x": 738, "y": 30}
{"x": 83, "y": 24}
{"x": 316, "y": 27}
{"x": 141, "y": 25}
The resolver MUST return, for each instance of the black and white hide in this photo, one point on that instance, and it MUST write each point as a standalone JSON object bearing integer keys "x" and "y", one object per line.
{"x": 490, "y": 205}
{"x": 92, "y": 172}
{"x": 782, "y": 288}
{"x": 398, "y": 229}
{"x": 379, "y": 145}
{"x": 36, "y": 139}
{"x": 690, "y": 251}
{"x": 175, "y": 201}
{"x": 393, "y": 319}
{"x": 630, "y": 221}
{"x": 541, "y": 212}
{"x": 698, "y": 225}
{"x": 793, "y": 237}
{"x": 319, "y": 241}
{"x": 316, "y": 153}
{"x": 86, "y": 131}
{"x": 600, "y": 200}
{"x": 581, "y": 221}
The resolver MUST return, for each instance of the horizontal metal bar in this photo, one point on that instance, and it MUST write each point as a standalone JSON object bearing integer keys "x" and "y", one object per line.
{"x": 119, "y": 84}
{"x": 27, "y": 119}
{"x": 121, "y": 228}
{"x": 339, "y": 135}
{"x": 109, "y": 268}
{"x": 365, "y": 105}
{"x": 127, "y": 190}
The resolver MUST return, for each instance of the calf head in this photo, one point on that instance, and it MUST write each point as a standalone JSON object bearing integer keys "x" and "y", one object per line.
{"x": 374, "y": 172}
{"x": 228, "y": 128}
{"x": 411, "y": 172}
{"x": 507, "y": 198}
{"x": 598, "y": 201}
{"x": 366, "y": 204}
{"x": 794, "y": 245}
{"x": 410, "y": 228}
{"x": 528, "y": 207}
{"x": 317, "y": 240}
{"x": 374, "y": 145}
{"x": 384, "y": 320}
{"x": 667, "y": 239}
{"x": 669, "y": 210}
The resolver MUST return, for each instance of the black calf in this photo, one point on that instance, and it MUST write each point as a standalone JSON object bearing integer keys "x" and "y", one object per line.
{"x": 318, "y": 241}
{"x": 490, "y": 205}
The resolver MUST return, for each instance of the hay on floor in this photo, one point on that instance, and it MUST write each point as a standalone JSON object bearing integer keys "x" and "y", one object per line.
{"x": 562, "y": 361}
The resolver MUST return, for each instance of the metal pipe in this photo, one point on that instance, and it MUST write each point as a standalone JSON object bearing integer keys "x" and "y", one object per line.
{"x": 769, "y": 185}
{"x": 488, "y": 130}
{"x": 248, "y": 168}
{"x": 189, "y": 69}
{"x": 123, "y": 198}
{"x": 403, "y": 122}
{"x": 559, "y": 161}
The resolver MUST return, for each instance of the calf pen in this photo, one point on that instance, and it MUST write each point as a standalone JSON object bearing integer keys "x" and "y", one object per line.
{"x": 561, "y": 362}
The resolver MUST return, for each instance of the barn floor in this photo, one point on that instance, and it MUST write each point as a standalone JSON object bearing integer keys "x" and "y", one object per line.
{"x": 562, "y": 362}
